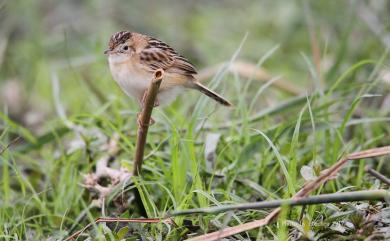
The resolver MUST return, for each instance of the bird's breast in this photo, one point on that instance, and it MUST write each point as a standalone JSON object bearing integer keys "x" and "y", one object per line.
{"x": 132, "y": 79}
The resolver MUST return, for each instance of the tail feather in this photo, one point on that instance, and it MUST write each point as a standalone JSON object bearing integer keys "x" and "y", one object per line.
{"x": 211, "y": 94}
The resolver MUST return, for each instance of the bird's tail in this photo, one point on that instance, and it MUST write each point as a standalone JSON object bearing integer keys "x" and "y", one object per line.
{"x": 211, "y": 94}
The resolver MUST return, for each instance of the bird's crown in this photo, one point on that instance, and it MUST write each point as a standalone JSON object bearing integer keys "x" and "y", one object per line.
{"x": 118, "y": 38}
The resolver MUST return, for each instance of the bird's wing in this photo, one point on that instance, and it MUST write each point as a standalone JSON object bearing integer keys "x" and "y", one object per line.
{"x": 158, "y": 54}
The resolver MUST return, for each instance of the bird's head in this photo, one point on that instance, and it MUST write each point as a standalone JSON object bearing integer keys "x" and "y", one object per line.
{"x": 120, "y": 43}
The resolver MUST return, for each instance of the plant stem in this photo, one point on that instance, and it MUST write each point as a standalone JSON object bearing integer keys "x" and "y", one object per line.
{"x": 378, "y": 175}
{"x": 144, "y": 120}
{"x": 325, "y": 198}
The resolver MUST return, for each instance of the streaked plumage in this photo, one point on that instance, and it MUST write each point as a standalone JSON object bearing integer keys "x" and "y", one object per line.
{"x": 134, "y": 58}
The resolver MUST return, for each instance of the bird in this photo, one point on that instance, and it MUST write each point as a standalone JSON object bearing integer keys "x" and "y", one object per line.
{"x": 134, "y": 58}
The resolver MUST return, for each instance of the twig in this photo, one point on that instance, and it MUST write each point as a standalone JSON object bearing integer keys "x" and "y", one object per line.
{"x": 145, "y": 116}
{"x": 332, "y": 171}
{"x": 119, "y": 220}
{"x": 15, "y": 140}
{"x": 306, "y": 190}
{"x": 325, "y": 198}
{"x": 378, "y": 175}
{"x": 144, "y": 120}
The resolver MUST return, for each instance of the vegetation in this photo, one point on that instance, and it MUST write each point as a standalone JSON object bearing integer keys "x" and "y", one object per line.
{"x": 62, "y": 114}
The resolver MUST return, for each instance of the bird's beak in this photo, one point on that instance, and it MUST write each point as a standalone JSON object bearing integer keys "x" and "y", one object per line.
{"x": 107, "y": 51}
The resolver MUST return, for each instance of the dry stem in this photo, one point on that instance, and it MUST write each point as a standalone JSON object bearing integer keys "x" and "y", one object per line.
{"x": 144, "y": 121}
{"x": 145, "y": 116}
{"x": 13, "y": 142}
{"x": 378, "y": 175}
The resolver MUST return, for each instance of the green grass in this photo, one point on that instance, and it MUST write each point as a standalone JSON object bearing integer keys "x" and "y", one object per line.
{"x": 264, "y": 140}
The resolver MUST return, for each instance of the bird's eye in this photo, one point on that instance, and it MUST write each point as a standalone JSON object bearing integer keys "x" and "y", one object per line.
{"x": 126, "y": 47}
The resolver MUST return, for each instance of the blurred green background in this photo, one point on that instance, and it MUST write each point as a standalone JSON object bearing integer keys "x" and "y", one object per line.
{"x": 38, "y": 37}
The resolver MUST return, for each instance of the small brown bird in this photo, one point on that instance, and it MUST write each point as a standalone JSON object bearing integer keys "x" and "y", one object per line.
{"x": 133, "y": 59}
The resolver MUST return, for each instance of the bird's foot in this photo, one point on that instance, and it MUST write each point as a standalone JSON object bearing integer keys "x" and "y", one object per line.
{"x": 143, "y": 100}
{"x": 140, "y": 124}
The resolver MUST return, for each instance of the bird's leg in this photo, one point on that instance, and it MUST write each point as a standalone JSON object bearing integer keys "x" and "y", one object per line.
{"x": 139, "y": 122}
{"x": 156, "y": 103}
{"x": 143, "y": 100}
{"x": 139, "y": 119}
